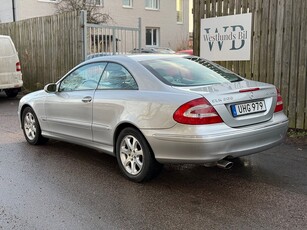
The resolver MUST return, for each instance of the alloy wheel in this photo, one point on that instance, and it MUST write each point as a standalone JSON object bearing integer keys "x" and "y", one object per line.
{"x": 30, "y": 126}
{"x": 131, "y": 155}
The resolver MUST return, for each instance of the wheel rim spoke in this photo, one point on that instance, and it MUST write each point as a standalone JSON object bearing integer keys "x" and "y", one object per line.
{"x": 135, "y": 144}
{"x": 124, "y": 151}
{"x": 139, "y": 163}
{"x": 127, "y": 162}
{"x": 133, "y": 168}
{"x": 128, "y": 143}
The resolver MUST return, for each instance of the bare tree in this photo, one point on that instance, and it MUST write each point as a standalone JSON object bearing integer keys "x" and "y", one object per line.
{"x": 94, "y": 13}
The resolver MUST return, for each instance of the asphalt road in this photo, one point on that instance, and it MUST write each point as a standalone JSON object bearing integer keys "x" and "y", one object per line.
{"x": 64, "y": 186}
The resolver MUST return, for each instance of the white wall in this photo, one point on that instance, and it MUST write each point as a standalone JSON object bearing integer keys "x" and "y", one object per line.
{"x": 25, "y": 9}
{"x": 190, "y": 16}
{"x": 6, "y": 11}
{"x": 33, "y": 8}
{"x": 171, "y": 33}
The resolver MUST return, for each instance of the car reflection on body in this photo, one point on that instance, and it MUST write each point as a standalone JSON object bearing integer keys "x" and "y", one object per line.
{"x": 155, "y": 50}
{"x": 147, "y": 110}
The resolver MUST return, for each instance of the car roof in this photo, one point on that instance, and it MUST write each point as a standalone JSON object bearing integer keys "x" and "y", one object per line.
{"x": 135, "y": 57}
{"x": 144, "y": 57}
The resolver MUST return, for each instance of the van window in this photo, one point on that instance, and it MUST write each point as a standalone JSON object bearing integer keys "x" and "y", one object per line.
{"x": 6, "y": 47}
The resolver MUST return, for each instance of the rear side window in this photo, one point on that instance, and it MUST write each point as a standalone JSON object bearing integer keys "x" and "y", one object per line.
{"x": 116, "y": 77}
{"x": 6, "y": 47}
{"x": 183, "y": 72}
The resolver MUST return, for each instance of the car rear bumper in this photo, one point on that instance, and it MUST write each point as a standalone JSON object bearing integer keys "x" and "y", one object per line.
{"x": 201, "y": 144}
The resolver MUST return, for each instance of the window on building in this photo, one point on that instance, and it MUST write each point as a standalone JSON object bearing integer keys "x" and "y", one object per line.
{"x": 152, "y": 4}
{"x": 152, "y": 36}
{"x": 179, "y": 9}
{"x": 89, "y": 2}
{"x": 55, "y": 1}
{"x": 99, "y": 2}
{"x": 127, "y": 3}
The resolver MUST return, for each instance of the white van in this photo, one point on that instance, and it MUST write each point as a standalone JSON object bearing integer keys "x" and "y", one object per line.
{"x": 10, "y": 69}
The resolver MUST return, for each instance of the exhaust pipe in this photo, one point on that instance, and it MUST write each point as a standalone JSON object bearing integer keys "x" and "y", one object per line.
{"x": 224, "y": 164}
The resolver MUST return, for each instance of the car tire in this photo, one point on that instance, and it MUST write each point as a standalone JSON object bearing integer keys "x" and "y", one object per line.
{"x": 11, "y": 92}
{"x": 135, "y": 157}
{"x": 31, "y": 128}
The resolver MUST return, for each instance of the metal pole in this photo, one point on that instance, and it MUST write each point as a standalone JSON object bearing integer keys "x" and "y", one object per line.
{"x": 13, "y": 8}
{"x": 140, "y": 34}
{"x": 196, "y": 27}
{"x": 113, "y": 40}
{"x": 84, "y": 33}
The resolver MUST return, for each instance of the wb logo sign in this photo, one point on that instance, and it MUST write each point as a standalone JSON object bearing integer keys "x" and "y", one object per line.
{"x": 236, "y": 34}
{"x": 226, "y": 38}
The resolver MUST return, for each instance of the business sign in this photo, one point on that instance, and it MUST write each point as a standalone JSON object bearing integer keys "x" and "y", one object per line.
{"x": 226, "y": 38}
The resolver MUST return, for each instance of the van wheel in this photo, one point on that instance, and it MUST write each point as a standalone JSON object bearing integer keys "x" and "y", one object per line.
{"x": 11, "y": 92}
{"x": 134, "y": 156}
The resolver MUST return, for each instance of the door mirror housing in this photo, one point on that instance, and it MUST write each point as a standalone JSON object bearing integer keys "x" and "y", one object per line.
{"x": 51, "y": 88}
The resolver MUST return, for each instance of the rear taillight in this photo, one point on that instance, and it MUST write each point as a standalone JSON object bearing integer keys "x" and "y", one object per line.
{"x": 197, "y": 112}
{"x": 279, "y": 103}
{"x": 248, "y": 90}
{"x": 18, "y": 67}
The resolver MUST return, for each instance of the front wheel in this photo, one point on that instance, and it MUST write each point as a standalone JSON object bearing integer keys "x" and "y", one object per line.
{"x": 31, "y": 127}
{"x": 134, "y": 156}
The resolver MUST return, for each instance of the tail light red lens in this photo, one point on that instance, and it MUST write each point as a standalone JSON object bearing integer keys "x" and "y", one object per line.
{"x": 18, "y": 67}
{"x": 279, "y": 103}
{"x": 197, "y": 112}
{"x": 249, "y": 90}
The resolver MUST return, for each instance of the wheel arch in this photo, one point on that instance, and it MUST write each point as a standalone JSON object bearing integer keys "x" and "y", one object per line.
{"x": 121, "y": 127}
{"x": 21, "y": 112}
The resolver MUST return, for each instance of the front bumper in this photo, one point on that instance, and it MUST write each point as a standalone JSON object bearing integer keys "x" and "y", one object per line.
{"x": 209, "y": 143}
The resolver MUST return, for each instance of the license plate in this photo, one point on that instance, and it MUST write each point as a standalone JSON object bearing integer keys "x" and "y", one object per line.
{"x": 247, "y": 108}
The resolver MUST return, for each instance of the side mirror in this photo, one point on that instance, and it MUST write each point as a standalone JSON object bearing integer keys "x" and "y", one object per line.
{"x": 51, "y": 88}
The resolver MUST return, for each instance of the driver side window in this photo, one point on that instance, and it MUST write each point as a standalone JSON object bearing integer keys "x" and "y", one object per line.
{"x": 84, "y": 78}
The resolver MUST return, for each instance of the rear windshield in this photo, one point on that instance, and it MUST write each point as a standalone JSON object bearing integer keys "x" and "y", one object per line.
{"x": 6, "y": 47}
{"x": 190, "y": 71}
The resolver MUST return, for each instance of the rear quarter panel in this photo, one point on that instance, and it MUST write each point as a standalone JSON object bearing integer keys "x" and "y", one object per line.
{"x": 143, "y": 109}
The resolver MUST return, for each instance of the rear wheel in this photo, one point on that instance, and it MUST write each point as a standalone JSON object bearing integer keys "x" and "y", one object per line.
{"x": 31, "y": 127}
{"x": 11, "y": 92}
{"x": 134, "y": 156}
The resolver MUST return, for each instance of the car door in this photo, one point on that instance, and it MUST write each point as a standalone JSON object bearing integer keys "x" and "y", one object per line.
{"x": 69, "y": 111}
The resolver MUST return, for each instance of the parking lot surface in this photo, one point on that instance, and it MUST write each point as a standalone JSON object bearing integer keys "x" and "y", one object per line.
{"x": 65, "y": 186}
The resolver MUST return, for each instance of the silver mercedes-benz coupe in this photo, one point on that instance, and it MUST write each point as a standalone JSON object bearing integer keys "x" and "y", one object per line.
{"x": 152, "y": 109}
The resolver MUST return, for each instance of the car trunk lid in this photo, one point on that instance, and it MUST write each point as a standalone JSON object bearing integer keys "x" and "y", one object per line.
{"x": 240, "y": 103}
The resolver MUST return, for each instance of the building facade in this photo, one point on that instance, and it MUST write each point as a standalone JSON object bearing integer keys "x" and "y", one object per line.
{"x": 165, "y": 23}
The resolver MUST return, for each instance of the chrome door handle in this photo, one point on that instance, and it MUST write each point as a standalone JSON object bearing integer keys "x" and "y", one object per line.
{"x": 87, "y": 99}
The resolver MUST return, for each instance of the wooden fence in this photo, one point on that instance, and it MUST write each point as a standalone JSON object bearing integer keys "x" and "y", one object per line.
{"x": 279, "y": 47}
{"x": 48, "y": 47}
